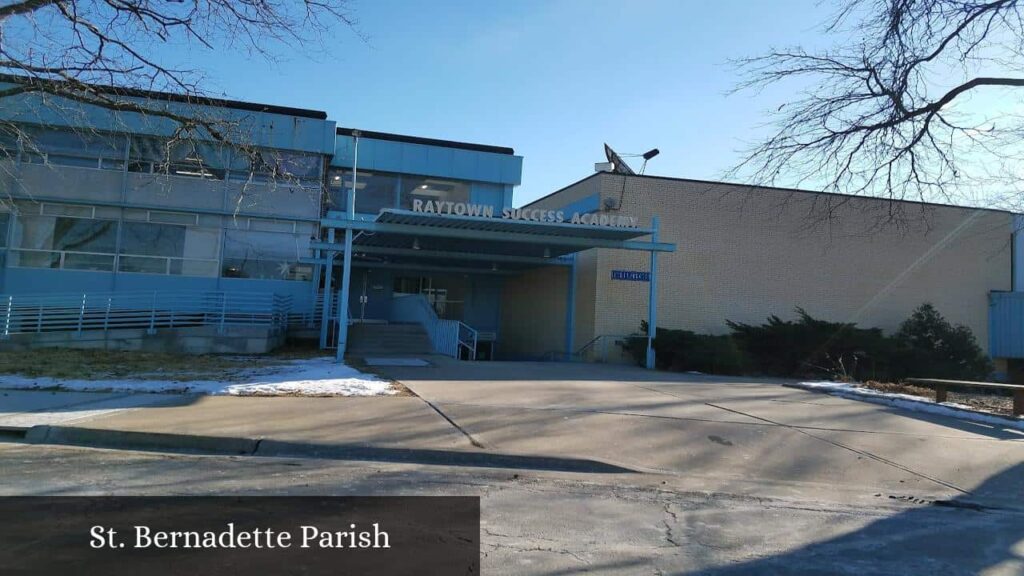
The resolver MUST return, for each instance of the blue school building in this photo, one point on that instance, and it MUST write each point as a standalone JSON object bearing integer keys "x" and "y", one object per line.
{"x": 117, "y": 232}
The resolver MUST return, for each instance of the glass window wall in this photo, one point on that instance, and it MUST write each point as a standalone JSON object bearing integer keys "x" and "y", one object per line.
{"x": 92, "y": 244}
{"x": 187, "y": 157}
{"x": 65, "y": 147}
{"x": 168, "y": 249}
{"x": 436, "y": 189}
{"x": 374, "y": 191}
{"x": 265, "y": 255}
{"x": 62, "y": 242}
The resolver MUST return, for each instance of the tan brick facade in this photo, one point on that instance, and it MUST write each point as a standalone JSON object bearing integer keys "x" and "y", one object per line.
{"x": 745, "y": 253}
{"x": 533, "y": 313}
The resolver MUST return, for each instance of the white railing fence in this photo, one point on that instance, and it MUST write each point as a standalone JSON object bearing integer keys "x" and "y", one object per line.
{"x": 449, "y": 337}
{"x": 151, "y": 310}
{"x": 310, "y": 314}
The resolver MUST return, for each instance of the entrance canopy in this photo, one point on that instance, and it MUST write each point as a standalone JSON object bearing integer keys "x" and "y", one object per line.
{"x": 486, "y": 244}
{"x": 415, "y": 240}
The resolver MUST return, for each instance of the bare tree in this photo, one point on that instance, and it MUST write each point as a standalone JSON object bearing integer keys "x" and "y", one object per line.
{"x": 71, "y": 56}
{"x": 917, "y": 100}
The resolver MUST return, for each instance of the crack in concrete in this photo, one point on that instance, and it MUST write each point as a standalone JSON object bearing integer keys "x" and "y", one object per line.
{"x": 577, "y": 557}
{"x": 632, "y": 414}
{"x": 871, "y": 455}
{"x": 465, "y": 432}
{"x": 864, "y": 453}
{"x": 669, "y": 536}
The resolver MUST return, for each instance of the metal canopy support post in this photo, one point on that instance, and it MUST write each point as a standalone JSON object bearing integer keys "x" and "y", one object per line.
{"x": 325, "y": 313}
{"x": 346, "y": 269}
{"x": 346, "y": 281}
{"x": 652, "y": 299}
{"x": 570, "y": 310}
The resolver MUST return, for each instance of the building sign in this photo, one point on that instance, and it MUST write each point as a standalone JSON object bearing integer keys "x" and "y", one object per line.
{"x": 631, "y": 275}
{"x": 527, "y": 214}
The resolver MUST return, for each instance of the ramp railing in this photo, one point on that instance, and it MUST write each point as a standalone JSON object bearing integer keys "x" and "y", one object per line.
{"x": 449, "y": 337}
{"x": 150, "y": 310}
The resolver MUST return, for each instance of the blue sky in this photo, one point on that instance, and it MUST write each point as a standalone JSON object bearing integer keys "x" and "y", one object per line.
{"x": 552, "y": 79}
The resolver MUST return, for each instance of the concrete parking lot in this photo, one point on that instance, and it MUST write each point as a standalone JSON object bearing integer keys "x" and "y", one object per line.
{"x": 724, "y": 434}
{"x": 704, "y": 475}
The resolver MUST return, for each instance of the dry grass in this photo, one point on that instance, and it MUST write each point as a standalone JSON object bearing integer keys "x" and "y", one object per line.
{"x": 894, "y": 388}
{"x": 299, "y": 350}
{"x": 68, "y": 363}
{"x": 985, "y": 401}
{"x": 104, "y": 364}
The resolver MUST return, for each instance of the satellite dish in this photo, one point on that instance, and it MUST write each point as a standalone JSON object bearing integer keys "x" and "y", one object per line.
{"x": 619, "y": 165}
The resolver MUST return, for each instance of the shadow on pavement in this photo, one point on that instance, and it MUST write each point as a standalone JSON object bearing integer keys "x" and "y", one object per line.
{"x": 195, "y": 444}
{"x": 958, "y": 537}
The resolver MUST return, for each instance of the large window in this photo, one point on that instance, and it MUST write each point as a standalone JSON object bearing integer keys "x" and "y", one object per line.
{"x": 82, "y": 148}
{"x": 62, "y": 242}
{"x": 177, "y": 157}
{"x": 5, "y": 220}
{"x": 425, "y": 188}
{"x": 266, "y": 255}
{"x": 277, "y": 166}
{"x": 85, "y": 243}
{"x": 8, "y": 143}
{"x": 168, "y": 249}
{"x": 373, "y": 191}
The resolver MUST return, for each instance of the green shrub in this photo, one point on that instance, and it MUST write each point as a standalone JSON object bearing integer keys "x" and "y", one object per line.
{"x": 813, "y": 347}
{"x": 928, "y": 346}
{"x": 703, "y": 353}
{"x": 685, "y": 351}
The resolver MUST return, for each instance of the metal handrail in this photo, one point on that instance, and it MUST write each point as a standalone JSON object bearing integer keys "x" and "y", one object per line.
{"x": 470, "y": 343}
{"x": 150, "y": 310}
{"x": 446, "y": 336}
{"x": 582, "y": 351}
{"x": 592, "y": 344}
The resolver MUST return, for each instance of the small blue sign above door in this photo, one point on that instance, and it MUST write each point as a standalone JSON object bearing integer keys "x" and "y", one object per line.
{"x": 631, "y": 275}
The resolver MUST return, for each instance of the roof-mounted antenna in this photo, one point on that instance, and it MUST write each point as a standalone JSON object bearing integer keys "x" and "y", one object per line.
{"x": 647, "y": 156}
{"x": 619, "y": 166}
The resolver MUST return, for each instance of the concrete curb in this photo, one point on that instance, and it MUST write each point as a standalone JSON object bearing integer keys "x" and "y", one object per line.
{"x": 919, "y": 405}
{"x": 472, "y": 459}
{"x": 218, "y": 445}
{"x": 72, "y": 436}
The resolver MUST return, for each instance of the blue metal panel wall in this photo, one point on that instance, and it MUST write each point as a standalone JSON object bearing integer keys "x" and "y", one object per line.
{"x": 253, "y": 128}
{"x": 590, "y": 203}
{"x": 421, "y": 159}
{"x": 1006, "y": 324}
{"x": 301, "y": 292}
{"x": 43, "y": 281}
{"x": 483, "y": 306}
{"x": 489, "y": 195}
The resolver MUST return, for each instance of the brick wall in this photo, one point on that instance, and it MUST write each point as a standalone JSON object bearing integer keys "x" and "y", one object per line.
{"x": 533, "y": 313}
{"x": 745, "y": 253}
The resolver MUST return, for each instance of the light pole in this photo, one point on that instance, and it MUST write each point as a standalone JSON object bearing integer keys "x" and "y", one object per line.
{"x": 346, "y": 270}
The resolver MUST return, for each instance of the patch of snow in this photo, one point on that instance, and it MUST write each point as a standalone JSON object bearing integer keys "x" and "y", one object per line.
{"x": 909, "y": 402}
{"x": 310, "y": 377}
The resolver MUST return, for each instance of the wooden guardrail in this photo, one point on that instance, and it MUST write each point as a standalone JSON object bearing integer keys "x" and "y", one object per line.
{"x": 942, "y": 389}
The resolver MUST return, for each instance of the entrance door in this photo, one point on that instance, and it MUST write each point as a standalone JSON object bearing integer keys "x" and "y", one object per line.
{"x": 445, "y": 293}
{"x": 370, "y": 296}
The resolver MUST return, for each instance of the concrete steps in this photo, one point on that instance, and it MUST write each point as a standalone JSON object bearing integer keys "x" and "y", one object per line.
{"x": 388, "y": 340}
